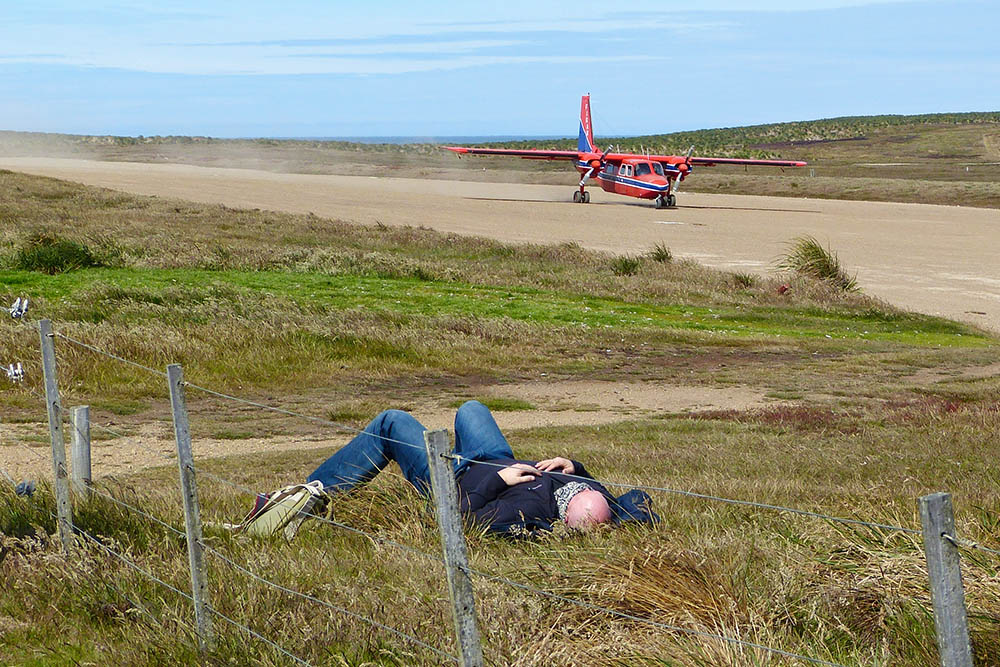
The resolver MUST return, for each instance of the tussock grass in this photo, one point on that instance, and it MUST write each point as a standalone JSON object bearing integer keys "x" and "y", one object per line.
{"x": 807, "y": 257}
{"x": 661, "y": 253}
{"x": 626, "y": 265}
{"x": 50, "y": 254}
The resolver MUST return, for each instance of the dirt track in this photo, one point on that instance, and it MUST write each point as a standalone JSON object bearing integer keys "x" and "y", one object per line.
{"x": 942, "y": 260}
{"x": 558, "y": 404}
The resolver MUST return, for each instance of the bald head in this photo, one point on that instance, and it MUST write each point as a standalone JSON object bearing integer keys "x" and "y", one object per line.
{"x": 587, "y": 509}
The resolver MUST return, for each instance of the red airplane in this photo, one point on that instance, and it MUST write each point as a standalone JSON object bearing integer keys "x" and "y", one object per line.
{"x": 634, "y": 175}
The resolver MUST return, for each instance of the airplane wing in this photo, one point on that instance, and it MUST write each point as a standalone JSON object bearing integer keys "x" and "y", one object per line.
{"x": 528, "y": 154}
{"x": 710, "y": 161}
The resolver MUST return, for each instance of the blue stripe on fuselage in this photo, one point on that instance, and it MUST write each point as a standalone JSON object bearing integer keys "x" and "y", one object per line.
{"x": 632, "y": 182}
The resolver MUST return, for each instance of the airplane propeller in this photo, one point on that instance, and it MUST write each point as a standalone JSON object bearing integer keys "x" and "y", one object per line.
{"x": 685, "y": 167}
{"x": 595, "y": 165}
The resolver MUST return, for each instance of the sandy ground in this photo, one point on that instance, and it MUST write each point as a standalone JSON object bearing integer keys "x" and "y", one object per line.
{"x": 934, "y": 259}
{"x": 558, "y": 403}
{"x": 941, "y": 260}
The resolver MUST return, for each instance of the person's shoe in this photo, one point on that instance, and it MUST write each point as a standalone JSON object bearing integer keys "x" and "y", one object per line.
{"x": 284, "y": 509}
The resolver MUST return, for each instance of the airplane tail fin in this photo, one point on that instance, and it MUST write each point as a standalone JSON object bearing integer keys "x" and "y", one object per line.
{"x": 586, "y": 141}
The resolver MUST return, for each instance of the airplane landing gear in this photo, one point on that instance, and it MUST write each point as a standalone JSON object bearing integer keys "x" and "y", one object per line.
{"x": 668, "y": 201}
{"x": 581, "y": 197}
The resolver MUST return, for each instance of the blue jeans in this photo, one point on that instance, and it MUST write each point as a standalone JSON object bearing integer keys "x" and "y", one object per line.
{"x": 396, "y": 436}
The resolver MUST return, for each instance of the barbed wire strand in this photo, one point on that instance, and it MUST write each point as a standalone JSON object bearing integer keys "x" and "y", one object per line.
{"x": 291, "y": 413}
{"x": 969, "y": 544}
{"x": 323, "y": 519}
{"x": 149, "y": 575}
{"x": 375, "y": 538}
{"x": 156, "y": 579}
{"x": 108, "y": 354}
{"x": 319, "y": 420}
{"x": 215, "y": 611}
{"x": 131, "y": 563}
{"x": 126, "y": 505}
{"x": 247, "y": 629}
{"x": 705, "y": 496}
{"x": 662, "y": 626}
{"x": 257, "y": 635}
{"x": 135, "y": 605}
{"x": 324, "y": 603}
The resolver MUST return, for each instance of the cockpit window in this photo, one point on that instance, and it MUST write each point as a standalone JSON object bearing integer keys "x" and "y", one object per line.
{"x": 658, "y": 169}
{"x": 642, "y": 169}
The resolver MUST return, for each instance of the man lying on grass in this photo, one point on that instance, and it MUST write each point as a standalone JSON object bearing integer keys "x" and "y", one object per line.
{"x": 509, "y": 496}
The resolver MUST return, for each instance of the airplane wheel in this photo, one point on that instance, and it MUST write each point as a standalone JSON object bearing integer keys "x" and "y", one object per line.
{"x": 671, "y": 201}
{"x": 576, "y": 196}
{"x": 659, "y": 202}
{"x": 586, "y": 197}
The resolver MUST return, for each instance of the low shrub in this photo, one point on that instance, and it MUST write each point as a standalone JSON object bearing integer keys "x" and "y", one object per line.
{"x": 47, "y": 253}
{"x": 626, "y": 265}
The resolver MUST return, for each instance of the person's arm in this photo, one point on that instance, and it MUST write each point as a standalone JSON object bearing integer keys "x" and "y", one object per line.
{"x": 492, "y": 486}
{"x": 561, "y": 465}
{"x": 485, "y": 492}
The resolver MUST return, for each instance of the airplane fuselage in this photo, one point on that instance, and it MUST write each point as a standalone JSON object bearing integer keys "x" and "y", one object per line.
{"x": 640, "y": 178}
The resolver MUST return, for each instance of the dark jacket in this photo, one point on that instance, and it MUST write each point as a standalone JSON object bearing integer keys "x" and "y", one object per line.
{"x": 531, "y": 506}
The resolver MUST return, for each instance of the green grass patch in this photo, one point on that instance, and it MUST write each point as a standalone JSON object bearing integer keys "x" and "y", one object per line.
{"x": 121, "y": 407}
{"x": 122, "y": 294}
{"x": 232, "y": 434}
{"x": 499, "y": 404}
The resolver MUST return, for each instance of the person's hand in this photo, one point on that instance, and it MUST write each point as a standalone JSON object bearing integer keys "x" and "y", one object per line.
{"x": 558, "y": 463}
{"x": 518, "y": 473}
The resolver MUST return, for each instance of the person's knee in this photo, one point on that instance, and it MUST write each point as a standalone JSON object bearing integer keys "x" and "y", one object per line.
{"x": 471, "y": 404}
{"x": 471, "y": 409}
{"x": 389, "y": 416}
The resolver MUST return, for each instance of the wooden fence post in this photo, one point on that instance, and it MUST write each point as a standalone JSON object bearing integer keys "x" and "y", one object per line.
{"x": 463, "y": 603}
{"x": 64, "y": 509}
{"x": 944, "y": 570}
{"x": 80, "y": 475}
{"x": 192, "y": 513}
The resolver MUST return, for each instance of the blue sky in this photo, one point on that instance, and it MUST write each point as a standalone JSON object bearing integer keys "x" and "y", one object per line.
{"x": 331, "y": 68}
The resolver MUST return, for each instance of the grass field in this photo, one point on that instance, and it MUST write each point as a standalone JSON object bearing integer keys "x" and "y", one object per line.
{"x": 872, "y": 407}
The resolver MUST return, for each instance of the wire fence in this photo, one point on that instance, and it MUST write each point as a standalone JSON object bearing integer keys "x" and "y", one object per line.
{"x": 346, "y": 428}
{"x": 457, "y": 458}
{"x": 229, "y": 561}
